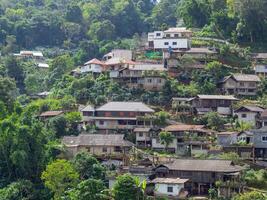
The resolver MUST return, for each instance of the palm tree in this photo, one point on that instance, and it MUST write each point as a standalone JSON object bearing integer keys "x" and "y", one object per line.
{"x": 166, "y": 138}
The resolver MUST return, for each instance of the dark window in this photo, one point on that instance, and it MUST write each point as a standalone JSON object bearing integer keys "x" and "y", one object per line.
{"x": 174, "y": 43}
{"x": 166, "y": 43}
{"x": 117, "y": 149}
{"x": 168, "y": 35}
{"x": 122, "y": 122}
{"x": 140, "y": 123}
{"x": 141, "y": 134}
{"x": 251, "y": 90}
{"x": 158, "y": 34}
{"x": 170, "y": 189}
{"x": 131, "y": 122}
{"x": 104, "y": 149}
{"x": 244, "y": 115}
{"x": 176, "y": 35}
{"x": 101, "y": 122}
{"x": 264, "y": 138}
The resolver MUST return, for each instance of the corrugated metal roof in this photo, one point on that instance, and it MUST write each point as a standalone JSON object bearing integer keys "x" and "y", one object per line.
{"x": 169, "y": 180}
{"x": 204, "y": 165}
{"x": 217, "y": 97}
{"x": 125, "y": 106}
{"x": 51, "y": 113}
{"x": 96, "y": 140}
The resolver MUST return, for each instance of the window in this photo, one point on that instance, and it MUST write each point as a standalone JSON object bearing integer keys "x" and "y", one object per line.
{"x": 158, "y": 34}
{"x": 166, "y": 43}
{"x": 88, "y": 149}
{"x": 117, "y": 149}
{"x": 168, "y": 35}
{"x": 107, "y": 114}
{"x": 149, "y": 80}
{"x": 141, "y": 134}
{"x": 101, "y": 122}
{"x": 169, "y": 189}
{"x": 104, "y": 149}
{"x": 159, "y": 80}
{"x": 244, "y": 115}
{"x": 176, "y": 35}
{"x": 251, "y": 90}
{"x": 241, "y": 84}
{"x": 174, "y": 43}
{"x": 252, "y": 85}
{"x": 264, "y": 138}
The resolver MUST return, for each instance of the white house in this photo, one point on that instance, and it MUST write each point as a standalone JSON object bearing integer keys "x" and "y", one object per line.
{"x": 94, "y": 66}
{"x": 248, "y": 114}
{"x": 173, "y": 187}
{"x": 176, "y": 38}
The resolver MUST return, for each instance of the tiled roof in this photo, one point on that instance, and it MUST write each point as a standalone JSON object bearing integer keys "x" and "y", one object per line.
{"x": 227, "y": 133}
{"x": 51, "y": 113}
{"x": 96, "y": 140}
{"x": 125, "y": 106}
{"x": 142, "y": 129}
{"x": 169, "y": 180}
{"x": 204, "y": 165}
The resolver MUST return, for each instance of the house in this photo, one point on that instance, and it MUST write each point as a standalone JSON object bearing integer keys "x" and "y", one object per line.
{"x": 191, "y": 139}
{"x": 216, "y": 103}
{"x": 43, "y": 66}
{"x": 182, "y": 105}
{"x": 118, "y": 116}
{"x": 226, "y": 138}
{"x": 143, "y": 75}
{"x": 248, "y": 114}
{"x": 37, "y": 55}
{"x": 115, "y": 65}
{"x": 252, "y": 144}
{"x": 99, "y": 145}
{"x": 180, "y": 61}
{"x": 175, "y": 38}
{"x": 260, "y": 64}
{"x": 203, "y": 174}
{"x": 170, "y": 187}
{"x": 50, "y": 114}
{"x": 157, "y": 145}
{"x": 144, "y": 136}
{"x": 119, "y": 53}
{"x": 262, "y": 120}
{"x": 240, "y": 84}
{"x": 94, "y": 66}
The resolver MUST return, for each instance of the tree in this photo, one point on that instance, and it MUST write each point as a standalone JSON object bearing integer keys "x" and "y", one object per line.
{"x": 22, "y": 189}
{"x": 161, "y": 118}
{"x": 250, "y": 195}
{"x": 127, "y": 188}
{"x": 166, "y": 138}
{"x": 59, "y": 176}
{"x": 102, "y": 30}
{"x": 8, "y": 92}
{"x": 88, "y": 189}
{"x": 88, "y": 166}
{"x": 213, "y": 120}
{"x": 234, "y": 157}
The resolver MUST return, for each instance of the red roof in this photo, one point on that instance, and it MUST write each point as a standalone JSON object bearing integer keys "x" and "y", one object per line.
{"x": 94, "y": 61}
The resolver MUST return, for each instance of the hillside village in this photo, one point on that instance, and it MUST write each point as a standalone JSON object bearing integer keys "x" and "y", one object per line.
{"x": 133, "y": 100}
{"x": 176, "y": 147}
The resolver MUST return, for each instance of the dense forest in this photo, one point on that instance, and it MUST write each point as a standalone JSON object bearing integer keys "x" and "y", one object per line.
{"x": 69, "y": 33}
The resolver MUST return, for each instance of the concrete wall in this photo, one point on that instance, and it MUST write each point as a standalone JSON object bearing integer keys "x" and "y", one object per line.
{"x": 162, "y": 189}
{"x": 91, "y": 68}
{"x": 250, "y": 117}
{"x": 181, "y": 43}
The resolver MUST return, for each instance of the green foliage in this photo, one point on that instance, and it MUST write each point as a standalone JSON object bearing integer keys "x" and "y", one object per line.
{"x": 212, "y": 120}
{"x": 88, "y": 189}
{"x": 250, "y": 195}
{"x": 234, "y": 157}
{"x": 59, "y": 176}
{"x": 88, "y": 166}
{"x": 166, "y": 138}
{"x": 256, "y": 179}
{"x": 161, "y": 118}
{"x": 19, "y": 190}
{"x": 127, "y": 188}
